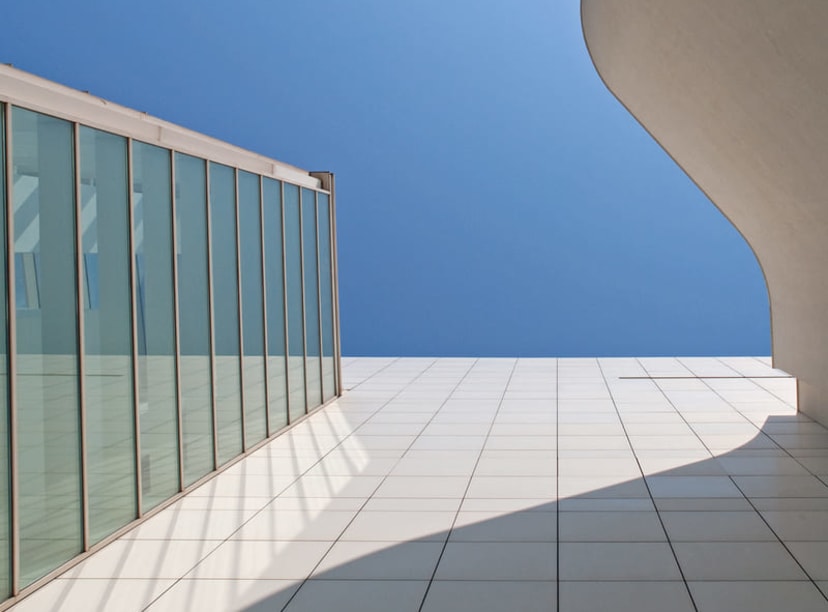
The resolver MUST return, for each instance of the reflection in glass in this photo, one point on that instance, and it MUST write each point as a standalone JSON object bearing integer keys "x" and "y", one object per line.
{"x": 225, "y": 312}
{"x": 110, "y": 423}
{"x": 152, "y": 227}
{"x": 5, "y": 546}
{"x": 312, "y": 340}
{"x": 193, "y": 316}
{"x": 250, "y": 239}
{"x": 326, "y": 297}
{"x": 296, "y": 329}
{"x": 276, "y": 383}
{"x": 47, "y": 343}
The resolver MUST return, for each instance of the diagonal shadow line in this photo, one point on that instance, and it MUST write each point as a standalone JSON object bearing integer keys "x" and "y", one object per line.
{"x": 597, "y": 523}
{"x": 607, "y": 527}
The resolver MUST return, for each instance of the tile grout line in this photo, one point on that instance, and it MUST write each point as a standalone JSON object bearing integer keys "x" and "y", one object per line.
{"x": 468, "y": 484}
{"x": 748, "y": 420}
{"x": 384, "y": 478}
{"x": 735, "y": 484}
{"x": 272, "y": 499}
{"x": 779, "y": 539}
{"x": 647, "y": 484}
{"x": 750, "y": 378}
{"x": 729, "y": 476}
{"x": 758, "y": 429}
{"x": 786, "y": 451}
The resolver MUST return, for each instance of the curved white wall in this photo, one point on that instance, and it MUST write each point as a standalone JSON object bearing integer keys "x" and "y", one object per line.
{"x": 736, "y": 91}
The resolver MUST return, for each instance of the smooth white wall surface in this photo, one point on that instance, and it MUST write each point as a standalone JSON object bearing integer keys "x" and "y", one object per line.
{"x": 736, "y": 93}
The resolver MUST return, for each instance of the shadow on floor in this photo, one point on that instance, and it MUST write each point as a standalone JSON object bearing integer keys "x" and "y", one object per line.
{"x": 746, "y": 530}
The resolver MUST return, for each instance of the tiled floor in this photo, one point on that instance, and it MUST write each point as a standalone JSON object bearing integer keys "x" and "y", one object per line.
{"x": 500, "y": 484}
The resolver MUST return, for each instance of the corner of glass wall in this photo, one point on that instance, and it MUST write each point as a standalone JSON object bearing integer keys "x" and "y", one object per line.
{"x": 310, "y": 269}
{"x": 326, "y": 297}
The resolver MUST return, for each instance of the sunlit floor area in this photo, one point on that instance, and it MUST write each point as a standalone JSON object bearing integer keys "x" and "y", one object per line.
{"x": 450, "y": 485}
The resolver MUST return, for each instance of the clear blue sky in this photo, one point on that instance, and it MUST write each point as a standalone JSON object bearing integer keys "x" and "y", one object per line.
{"x": 493, "y": 197}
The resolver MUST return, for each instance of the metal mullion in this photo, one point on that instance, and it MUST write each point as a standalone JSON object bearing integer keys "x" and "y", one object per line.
{"x": 319, "y": 299}
{"x": 239, "y": 307}
{"x": 133, "y": 280}
{"x": 81, "y": 369}
{"x": 285, "y": 314}
{"x": 264, "y": 304}
{"x": 302, "y": 284}
{"x": 176, "y": 335}
{"x": 335, "y": 286}
{"x": 210, "y": 305}
{"x": 14, "y": 484}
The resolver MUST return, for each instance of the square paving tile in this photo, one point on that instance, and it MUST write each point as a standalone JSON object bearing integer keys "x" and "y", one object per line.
{"x": 380, "y": 561}
{"x": 492, "y": 596}
{"x": 357, "y": 596}
{"x": 770, "y": 596}
{"x": 633, "y": 561}
{"x": 611, "y": 527}
{"x": 498, "y": 561}
{"x": 737, "y": 561}
{"x": 630, "y": 596}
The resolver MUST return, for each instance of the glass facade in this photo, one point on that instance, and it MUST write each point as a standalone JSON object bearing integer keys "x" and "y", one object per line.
{"x": 310, "y": 259}
{"x": 47, "y": 347}
{"x": 107, "y": 332}
{"x": 193, "y": 316}
{"x": 274, "y": 285}
{"x": 5, "y": 464}
{"x": 226, "y": 344}
{"x": 295, "y": 303}
{"x": 163, "y": 314}
{"x": 158, "y": 410}
{"x": 326, "y": 300}
{"x": 253, "y": 341}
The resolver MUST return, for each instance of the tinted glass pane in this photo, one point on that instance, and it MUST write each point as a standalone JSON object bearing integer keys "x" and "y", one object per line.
{"x": 276, "y": 383}
{"x": 152, "y": 227}
{"x": 110, "y": 424}
{"x": 296, "y": 329}
{"x": 250, "y": 235}
{"x": 47, "y": 343}
{"x": 312, "y": 338}
{"x": 193, "y": 316}
{"x": 5, "y": 550}
{"x": 326, "y": 297}
{"x": 225, "y": 311}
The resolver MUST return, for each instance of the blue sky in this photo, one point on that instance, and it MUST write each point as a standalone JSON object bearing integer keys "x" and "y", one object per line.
{"x": 493, "y": 197}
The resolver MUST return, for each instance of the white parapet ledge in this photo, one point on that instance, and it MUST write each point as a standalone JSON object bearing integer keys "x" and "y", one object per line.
{"x": 41, "y": 95}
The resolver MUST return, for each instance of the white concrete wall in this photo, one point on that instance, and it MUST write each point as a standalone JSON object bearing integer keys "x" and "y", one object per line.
{"x": 736, "y": 91}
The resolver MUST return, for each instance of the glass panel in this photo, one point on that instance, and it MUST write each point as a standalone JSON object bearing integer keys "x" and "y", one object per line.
{"x": 47, "y": 343}
{"x": 276, "y": 383}
{"x": 226, "y": 312}
{"x": 110, "y": 422}
{"x": 152, "y": 227}
{"x": 250, "y": 238}
{"x": 310, "y": 258}
{"x": 193, "y": 316}
{"x": 296, "y": 330}
{"x": 326, "y": 299}
{"x": 5, "y": 545}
